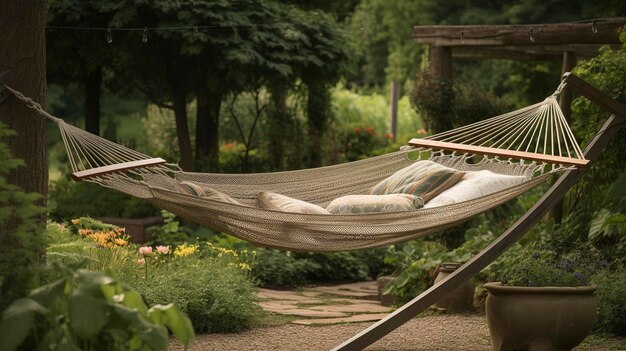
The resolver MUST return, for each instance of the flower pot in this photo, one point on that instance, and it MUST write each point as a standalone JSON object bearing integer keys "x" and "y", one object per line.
{"x": 385, "y": 299}
{"x": 539, "y": 318}
{"x": 460, "y": 299}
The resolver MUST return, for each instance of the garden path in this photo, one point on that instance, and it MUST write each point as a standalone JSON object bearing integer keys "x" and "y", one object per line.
{"x": 326, "y": 316}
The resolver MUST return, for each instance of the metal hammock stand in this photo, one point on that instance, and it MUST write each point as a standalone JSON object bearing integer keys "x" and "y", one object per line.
{"x": 533, "y": 142}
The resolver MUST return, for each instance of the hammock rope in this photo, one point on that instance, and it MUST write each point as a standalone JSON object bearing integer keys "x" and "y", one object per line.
{"x": 516, "y": 143}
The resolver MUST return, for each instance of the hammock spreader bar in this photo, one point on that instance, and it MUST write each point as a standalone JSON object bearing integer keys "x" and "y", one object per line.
{"x": 490, "y": 151}
{"x": 118, "y": 167}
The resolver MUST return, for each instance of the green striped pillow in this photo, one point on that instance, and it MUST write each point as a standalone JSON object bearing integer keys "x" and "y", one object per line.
{"x": 425, "y": 179}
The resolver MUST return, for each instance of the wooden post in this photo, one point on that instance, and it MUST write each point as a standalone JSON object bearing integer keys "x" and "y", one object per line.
{"x": 565, "y": 101}
{"x": 440, "y": 60}
{"x": 393, "y": 112}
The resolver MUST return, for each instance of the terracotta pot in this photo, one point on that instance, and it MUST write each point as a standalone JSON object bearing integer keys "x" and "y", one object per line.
{"x": 539, "y": 318}
{"x": 460, "y": 299}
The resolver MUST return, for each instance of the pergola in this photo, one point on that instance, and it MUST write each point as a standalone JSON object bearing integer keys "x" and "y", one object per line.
{"x": 566, "y": 41}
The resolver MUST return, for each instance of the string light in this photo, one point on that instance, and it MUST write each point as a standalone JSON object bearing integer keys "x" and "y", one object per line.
{"x": 109, "y": 36}
{"x": 144, "y": 37}
{"x": 594, "y": 27}
{"x": 462, "y": 37}
{"x": 531, "y": 35}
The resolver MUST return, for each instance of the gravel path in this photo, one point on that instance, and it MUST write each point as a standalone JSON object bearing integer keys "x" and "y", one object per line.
{"x": 445, "y": 332}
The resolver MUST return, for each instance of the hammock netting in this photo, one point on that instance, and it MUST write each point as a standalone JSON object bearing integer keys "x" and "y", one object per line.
{"x": 539, "y": 129}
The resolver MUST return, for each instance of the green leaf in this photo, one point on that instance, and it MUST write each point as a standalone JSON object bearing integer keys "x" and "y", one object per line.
{"x": 46, "y": 294}
{"x": 17, "y": 322}
{"x": 133, "y": 300}
{"x": 177, "y": 322}
{"x": 87, "y": 314}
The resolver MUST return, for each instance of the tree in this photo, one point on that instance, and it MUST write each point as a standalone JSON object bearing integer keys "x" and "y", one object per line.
{"x": 22, "y": 52}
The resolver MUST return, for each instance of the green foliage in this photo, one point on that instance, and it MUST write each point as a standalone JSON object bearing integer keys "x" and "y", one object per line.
{"x": 548, "y": 268}
{"x": 611, "y": 297}
{"x": 606, "y": 72}
{"x": 87, "y": 310}
{"x": 216, "y": 296}
{"x": 278, "y": 269}
{"x": 443, "y": 106}
{"x": 70, "y": 199}
{"x": 415, "y": 262}
{"x": 19, "y": 230}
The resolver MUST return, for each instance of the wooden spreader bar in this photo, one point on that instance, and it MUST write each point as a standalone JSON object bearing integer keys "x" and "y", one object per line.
{"x": 490, "y": 151}
{"x": 118, "y": 167}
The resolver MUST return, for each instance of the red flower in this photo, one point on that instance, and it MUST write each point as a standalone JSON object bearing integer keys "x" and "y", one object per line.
{"x": 389, "y": 136}
{"x": 229, "y": 146}
{"x": 369, "y": 130}
{"x": 357, "y": 130}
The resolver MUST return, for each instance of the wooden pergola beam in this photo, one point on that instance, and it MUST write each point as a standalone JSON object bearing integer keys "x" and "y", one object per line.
{"x": 596, "y": 32}
{"x": 543, "y": 52}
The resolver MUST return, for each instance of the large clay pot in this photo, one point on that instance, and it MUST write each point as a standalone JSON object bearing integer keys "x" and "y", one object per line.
{"x": 539, "y": 318}
{"x": 460, "y": 299}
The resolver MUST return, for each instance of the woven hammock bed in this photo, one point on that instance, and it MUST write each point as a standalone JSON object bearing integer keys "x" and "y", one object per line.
{"x": 531, "y": 143}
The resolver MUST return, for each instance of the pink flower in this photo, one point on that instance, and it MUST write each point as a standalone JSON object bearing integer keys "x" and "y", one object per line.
{"x": 141, "y": 261}
{"x": 163, "y": 249}
{"x": 145, "y": 250}
{"x": 421, "y": 131}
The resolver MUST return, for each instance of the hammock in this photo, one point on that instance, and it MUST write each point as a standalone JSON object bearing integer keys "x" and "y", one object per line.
{"x": 532, "y": 142}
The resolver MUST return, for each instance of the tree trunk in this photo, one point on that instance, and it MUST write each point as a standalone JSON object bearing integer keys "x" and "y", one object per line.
{"x": 182, "y": 129}
{"x": 23, "y": 53}
{"x": 278, "y": 122}
{"x": 93, "y": 82}
{"x": 318, "y": 115}
{"x": 207, "y": 127}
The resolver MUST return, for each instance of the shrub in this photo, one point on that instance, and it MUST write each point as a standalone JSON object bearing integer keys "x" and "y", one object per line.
{"x": 70, "y": 199}
{"x": 19, "y": 231}
{"x": 216, "y": 296}
{"x": 87, "y": 310}
{"x": 611, "y": 296}
{"x": 280, "y": 269}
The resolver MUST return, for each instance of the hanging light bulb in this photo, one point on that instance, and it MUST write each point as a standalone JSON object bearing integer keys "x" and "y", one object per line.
{"x": 462, "y": 37}
{"x": 144, "y": 38}
{"x": 109, "y": 36}
{"x": 531, "y": 35}
{"x": 594, "y": 27}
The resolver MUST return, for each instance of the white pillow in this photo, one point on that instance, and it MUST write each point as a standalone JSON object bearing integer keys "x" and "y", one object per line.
{"x": 473, "y": 185}
{"x": 374, "y": 203}
{"x": 278, "y": 202}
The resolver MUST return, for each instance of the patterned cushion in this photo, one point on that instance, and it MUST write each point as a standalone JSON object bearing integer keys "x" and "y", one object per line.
{"x": 215, "y": 195}
{"x": 192, "y": 188}
{"x": 474, "y": 185}
{"x": 425, "y": 179}
{"x": 278, "y": 202}
{"x": 374, "y": 203}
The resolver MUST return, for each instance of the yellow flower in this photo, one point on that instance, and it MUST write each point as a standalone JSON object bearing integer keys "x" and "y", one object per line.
{"x": 121, "y": 242}
{"x": 75, "y": 221}
{"x": 185, "y": 250}
{"x": 245, "y": 267}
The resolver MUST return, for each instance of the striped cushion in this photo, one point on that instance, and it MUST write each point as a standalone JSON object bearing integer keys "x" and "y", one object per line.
{"x": 425, "y": 179}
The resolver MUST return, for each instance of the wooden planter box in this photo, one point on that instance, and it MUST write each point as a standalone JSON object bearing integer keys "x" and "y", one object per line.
{"x": 135, "y": 227}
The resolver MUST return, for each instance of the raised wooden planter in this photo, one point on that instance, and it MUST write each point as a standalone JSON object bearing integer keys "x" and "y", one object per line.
{"x": 135, "y": 227}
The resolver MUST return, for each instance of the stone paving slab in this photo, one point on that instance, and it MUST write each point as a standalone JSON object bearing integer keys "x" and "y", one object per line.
{"x": 352, "y": 308}
{"x": 285, "y": 295}
{"x": 352, "y": 319}
{"x": 344, "y": 303}
{"x": 306, "y": 312}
